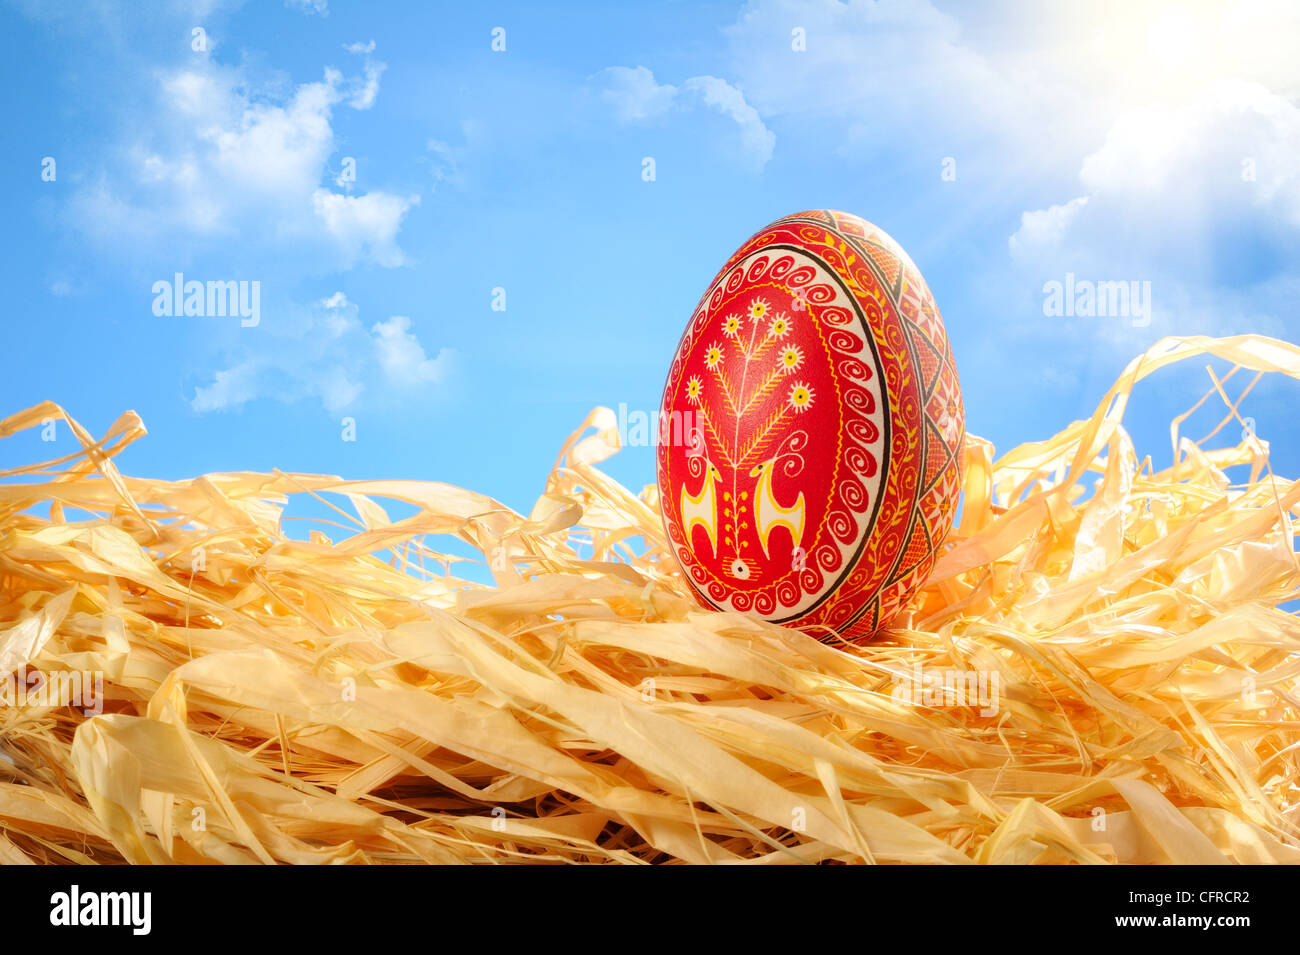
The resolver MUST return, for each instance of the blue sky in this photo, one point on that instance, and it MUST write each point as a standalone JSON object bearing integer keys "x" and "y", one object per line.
{"x": 1005, "y": 145}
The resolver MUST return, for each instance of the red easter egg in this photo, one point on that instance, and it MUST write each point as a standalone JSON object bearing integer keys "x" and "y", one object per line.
{"x": 811, "y": 429}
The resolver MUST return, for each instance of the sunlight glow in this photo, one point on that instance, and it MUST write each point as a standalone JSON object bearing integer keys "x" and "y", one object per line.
{"x": 1176, "y": 38}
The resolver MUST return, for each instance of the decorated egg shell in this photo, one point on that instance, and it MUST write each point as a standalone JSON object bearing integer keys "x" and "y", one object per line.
{"x": 811, "y": 430}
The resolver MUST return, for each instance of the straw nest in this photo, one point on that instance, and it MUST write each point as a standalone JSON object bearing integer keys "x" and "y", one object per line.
{"x": 271, "y": 699}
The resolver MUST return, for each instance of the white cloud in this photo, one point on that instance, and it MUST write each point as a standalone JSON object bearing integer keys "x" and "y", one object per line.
{"x": 108, "y": 16}
{"x": 310, "y": 7}
{"x": 230, "y": 388}
{"x": 1207, "y": 191}
{"x": 634, "y": 94}
{"x": 636, "y": 97}
{"x": 365, "y": 226}
{"x": 872, "y": 73}
{"x": 324, "y": 353}
{"x": 1007, "y": 94}
{"x": 759, "y": 141}
{"x": 336, "y": 389}
{"x": 402, "y": 357}
{"x": 227, "y": 160}
{"x": 1044, "y": 229}
{"x": 265, "y": 148}
{"x": 363, "y": 94}
{"x": 445, "y": 163}
{"x": 1201, "y": 198}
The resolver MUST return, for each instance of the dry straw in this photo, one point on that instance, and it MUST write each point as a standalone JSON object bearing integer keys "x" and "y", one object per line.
{"x": 269, "y": 699}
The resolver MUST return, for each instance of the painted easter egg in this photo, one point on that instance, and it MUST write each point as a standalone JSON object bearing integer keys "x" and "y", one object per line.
{"x": 810, "y": 432}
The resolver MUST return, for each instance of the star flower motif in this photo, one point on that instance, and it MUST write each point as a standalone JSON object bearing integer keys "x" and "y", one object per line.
{"x": 801, "y": 397}
{"x": 790, "y": 360}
